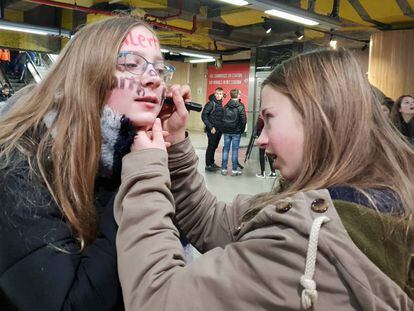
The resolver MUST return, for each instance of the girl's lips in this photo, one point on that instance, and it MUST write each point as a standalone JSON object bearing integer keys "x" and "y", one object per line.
{"x": 272, "y": 156}
{"x": 148, "y": 99}
{"x": 149, "y": 105}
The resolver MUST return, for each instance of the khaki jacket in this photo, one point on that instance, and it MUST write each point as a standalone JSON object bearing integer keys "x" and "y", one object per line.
{"x": 256, "y": 267}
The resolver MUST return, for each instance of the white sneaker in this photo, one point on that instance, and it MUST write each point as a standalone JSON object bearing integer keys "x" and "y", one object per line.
{"x": 272, "y": 175}
{"x": 262, "y": 175}
{"x": 236, "y": 173}
{"x": 224, "y": 172}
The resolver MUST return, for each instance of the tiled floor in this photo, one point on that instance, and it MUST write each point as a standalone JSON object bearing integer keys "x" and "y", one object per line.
{"x": 227, "y": 187}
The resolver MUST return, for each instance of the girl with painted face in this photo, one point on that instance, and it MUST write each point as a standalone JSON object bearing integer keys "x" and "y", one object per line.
{"x": 337, "y": 236}
{"x": 61, "y": 146}
{"x": 402, "y": 115}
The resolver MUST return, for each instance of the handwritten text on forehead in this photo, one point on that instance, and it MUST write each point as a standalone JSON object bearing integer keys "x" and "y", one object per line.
{"x": 141, "y": 41}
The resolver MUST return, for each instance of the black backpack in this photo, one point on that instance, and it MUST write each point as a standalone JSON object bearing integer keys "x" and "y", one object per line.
{"x": 230, "y": 118}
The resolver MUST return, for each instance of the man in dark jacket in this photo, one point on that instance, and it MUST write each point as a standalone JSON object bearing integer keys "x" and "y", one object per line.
{"x": 212, "y": 117}
{"x": 233, "y": 125}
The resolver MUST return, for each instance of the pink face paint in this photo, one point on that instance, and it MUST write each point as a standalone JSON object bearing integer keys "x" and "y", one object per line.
{"x": 141, "y": 41}
{"x": 153, "y": 40}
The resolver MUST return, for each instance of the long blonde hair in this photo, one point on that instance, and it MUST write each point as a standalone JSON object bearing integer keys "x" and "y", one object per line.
{"x": 348, "y": 141}
{"x": 75, "y": 91}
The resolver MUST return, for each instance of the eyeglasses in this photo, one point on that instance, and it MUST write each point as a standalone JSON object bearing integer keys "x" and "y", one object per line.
{"x": 136, "y": 64}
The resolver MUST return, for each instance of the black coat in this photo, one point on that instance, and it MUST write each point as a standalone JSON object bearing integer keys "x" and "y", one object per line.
{"x": 212, "y": 114}
{"x": 34, "y": 273}
{"x": 240, "y": 125}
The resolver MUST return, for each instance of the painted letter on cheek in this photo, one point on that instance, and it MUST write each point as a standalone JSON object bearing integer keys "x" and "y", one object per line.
{"x": 140, "y": 91}
{"x": 132, "y": 83}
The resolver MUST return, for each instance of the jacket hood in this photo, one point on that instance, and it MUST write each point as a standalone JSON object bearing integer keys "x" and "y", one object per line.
{"x": 233, "y": 103}
{"x": 214, "y": 99}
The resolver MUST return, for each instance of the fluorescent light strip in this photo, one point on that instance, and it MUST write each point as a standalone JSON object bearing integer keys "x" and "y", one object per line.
{"x": 202, "y": 60}
{"x": 196, "y": 55}
{"x": 236, "y": 2}
{"x": 37, "y": 30}
{"x": 292, "y": 17}
{"x": 26, "y": 30}
{"x": 164, "y": 51}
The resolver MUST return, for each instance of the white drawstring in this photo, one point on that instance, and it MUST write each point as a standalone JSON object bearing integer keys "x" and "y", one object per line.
{"x": 310, "y": 294}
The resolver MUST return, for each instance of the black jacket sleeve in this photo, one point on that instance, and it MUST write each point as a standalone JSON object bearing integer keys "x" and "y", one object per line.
{"x": 243, "y": 118}
{"x": 205, "y": 115}
{"x": 41, "y": 267}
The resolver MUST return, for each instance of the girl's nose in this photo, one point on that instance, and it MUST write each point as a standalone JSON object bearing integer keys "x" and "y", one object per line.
{"x": 262, "y": 140}
{"x": 151, "y": 78}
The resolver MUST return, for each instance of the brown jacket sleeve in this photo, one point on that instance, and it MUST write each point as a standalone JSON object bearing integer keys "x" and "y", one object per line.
{"x": 207, "y": 222}
{"x": 261, "y": 270}
{"x": 151, "y": 264}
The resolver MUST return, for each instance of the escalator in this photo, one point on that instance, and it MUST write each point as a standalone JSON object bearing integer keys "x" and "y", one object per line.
{"x": 34, "y": 71}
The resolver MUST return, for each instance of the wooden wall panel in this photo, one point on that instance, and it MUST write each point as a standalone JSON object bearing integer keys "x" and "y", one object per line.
{"x": 391, "y": 63}
{"x": 195, "y": 77}
{"x": 198, "y": 85}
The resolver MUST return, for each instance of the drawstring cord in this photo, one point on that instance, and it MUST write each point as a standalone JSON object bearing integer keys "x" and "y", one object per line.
{"x": 309, "y": 293}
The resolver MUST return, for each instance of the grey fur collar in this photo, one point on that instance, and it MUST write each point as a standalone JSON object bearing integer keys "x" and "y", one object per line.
{"x": 110, "y": 126}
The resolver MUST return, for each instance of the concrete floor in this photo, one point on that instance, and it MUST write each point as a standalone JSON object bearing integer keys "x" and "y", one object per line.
{"x": 227, "y": 187}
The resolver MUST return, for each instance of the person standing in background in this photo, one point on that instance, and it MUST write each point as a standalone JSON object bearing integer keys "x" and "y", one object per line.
{"x": 262, "y": 174}
{"x": 234, "y": 123}
{"x": 212, "y": 118}
{"x": 402, "y": 114}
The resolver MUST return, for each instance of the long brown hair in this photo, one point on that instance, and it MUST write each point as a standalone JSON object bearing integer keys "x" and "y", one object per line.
{"x": 395, "y": 113}
{"x": 348, "y": 140}
{"x": 75, "y": 91}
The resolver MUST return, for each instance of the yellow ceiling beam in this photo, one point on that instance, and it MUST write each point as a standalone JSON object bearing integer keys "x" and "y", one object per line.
{"x": 387, "y": 12}
{"x": 92, "y": 18}
{"x": 25, "y": 41}
{"x": 311, "y": 34}
{"x": 143, "y": 4}
{"x": 346, "y": 11}
{"x": 13, "y": 15}
{"x": 242, "y": 17}
{"x": 86, "y": 3}
{"x": 67, "y": 19}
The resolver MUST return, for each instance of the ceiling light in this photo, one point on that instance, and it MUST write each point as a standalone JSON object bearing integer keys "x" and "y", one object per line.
{"x": 196, "y": 55}
{"x": 37, "y": 30}
{"x": 236, "y": 2}
{"x": 299, "y": 34}
{"x": 22, "y": 29}
{"x": 164, "y": 51}
{"x": 333, "y": 43}
{"x": 292, "y": 17}
{"x": 202, "y": 60}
